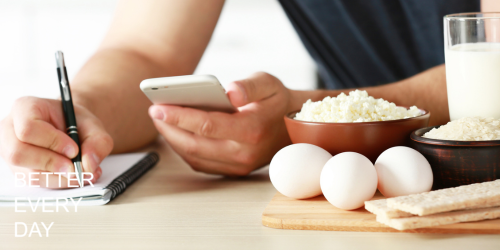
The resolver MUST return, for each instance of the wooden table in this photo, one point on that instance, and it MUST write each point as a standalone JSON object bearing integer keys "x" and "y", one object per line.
{"x": 173, "y": 207}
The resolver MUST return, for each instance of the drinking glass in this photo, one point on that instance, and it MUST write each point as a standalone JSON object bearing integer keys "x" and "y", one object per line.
{"x": 472, "y": 55}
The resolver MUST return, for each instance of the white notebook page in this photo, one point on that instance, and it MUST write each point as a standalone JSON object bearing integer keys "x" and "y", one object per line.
{"x": 112, "y": 167}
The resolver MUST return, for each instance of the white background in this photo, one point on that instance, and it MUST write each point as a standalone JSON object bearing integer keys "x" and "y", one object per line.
{"x": 252, "y": 35}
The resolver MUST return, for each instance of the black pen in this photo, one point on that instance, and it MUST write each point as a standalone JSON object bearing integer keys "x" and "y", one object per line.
{"x": 69, "y": 113}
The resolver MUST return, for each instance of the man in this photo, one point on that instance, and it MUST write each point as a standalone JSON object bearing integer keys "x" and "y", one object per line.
{"x": 393, "y": 46}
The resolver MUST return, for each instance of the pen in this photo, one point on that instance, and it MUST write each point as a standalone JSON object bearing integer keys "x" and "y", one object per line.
{"x": 69, "y": 113}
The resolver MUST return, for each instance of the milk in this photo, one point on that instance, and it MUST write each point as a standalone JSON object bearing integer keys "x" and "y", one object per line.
{"x": 473, "y": 80}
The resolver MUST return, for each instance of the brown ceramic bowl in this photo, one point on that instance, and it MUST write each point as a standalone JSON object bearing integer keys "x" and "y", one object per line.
{"x": 456, "y": 163}
{"x": 367, "y": 138}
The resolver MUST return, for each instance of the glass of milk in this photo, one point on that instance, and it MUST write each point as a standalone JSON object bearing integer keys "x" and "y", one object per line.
{"x": 472, "y": 54}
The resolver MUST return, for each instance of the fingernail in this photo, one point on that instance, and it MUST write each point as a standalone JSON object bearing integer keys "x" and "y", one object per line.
{"x": 97, "y": 175}
{"x": 96, "y": 159}
{"x": 66, "y": 170}
{"x": 242, "y": 90}
{"x": 158, "y": 114}
{"x": 69, "y": 151}
{"x": 90, "y": 164}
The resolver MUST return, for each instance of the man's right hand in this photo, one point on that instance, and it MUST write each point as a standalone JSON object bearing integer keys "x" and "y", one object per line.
{"x": 33, "y": 139}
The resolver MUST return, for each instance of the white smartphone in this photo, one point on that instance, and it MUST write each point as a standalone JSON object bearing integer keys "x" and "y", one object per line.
{"x": 196, "y": 91}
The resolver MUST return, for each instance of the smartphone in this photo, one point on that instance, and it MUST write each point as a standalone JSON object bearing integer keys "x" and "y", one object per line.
{"x": 195, "y": 91}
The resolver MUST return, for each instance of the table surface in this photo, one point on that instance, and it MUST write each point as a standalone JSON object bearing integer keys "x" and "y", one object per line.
{"x": 173, "y": 207}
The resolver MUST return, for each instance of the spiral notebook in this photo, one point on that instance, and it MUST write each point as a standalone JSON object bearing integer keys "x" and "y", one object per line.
{"x": 118, "y": 172}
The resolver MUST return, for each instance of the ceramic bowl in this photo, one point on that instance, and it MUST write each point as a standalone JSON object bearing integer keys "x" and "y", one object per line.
{"x": 367, "y": 138}
{"x": 456, "y": 163}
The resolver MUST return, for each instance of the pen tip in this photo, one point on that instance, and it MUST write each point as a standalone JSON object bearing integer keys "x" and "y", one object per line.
{"x": 78, "y": 171}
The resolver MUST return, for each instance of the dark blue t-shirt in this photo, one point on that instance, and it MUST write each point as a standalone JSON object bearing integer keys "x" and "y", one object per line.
{"x": 359, "y": 43}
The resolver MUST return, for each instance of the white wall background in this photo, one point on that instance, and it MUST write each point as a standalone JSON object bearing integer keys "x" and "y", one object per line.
{"x": 252, "y": 35}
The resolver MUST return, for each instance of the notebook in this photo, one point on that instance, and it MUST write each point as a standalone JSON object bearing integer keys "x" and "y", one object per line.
{"x": 118, "y": 172}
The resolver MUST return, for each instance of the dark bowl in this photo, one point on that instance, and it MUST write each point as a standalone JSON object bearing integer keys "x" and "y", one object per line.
{"x": 456, "y": 163}
{"x": 367, "y": 138}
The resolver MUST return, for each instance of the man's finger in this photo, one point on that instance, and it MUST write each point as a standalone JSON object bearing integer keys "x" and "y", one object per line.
{"x": 43, "y": 134}
{"x": 33, "y": 125}
{"x": 195, "y": 145}
{"x": 238, "y": 127}
{"x": 257, "y": 87}
{"x": 22, "y": 154}
{"x": 96, "y": 143}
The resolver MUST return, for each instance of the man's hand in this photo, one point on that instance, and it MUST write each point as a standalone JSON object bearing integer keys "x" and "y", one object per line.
{"x": 230, "y": 144}
{"x": 33, "y": 139}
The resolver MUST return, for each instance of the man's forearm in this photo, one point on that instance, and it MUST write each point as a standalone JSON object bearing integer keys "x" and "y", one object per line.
{"x": 146, "y": 39}
{"x": 108, "y": 85}
{"x": 426, "y": 90}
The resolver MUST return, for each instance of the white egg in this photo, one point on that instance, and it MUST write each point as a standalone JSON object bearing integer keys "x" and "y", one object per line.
{"x": 295, "y": 170}
{"x": 403, "y": 171}
{"x": 348, "y": 180}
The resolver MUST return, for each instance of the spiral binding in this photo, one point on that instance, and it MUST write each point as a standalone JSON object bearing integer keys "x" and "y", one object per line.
{"x": 118, "y": 185}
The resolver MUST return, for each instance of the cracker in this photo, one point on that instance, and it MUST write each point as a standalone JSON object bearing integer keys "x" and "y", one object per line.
{"x": 380, "y": 208}
{"x": 441, "y": 219}
{"x": 486, "y": 194}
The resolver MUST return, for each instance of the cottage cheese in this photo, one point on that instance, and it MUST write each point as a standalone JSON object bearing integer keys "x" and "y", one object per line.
{"x": 358, "y": 106}
{"x": 467, "y": 129}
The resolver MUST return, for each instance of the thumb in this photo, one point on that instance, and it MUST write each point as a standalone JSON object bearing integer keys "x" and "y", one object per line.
{"x": 257, "y": 87}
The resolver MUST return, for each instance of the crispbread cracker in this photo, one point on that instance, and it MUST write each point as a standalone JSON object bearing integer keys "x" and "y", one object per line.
{"x": 380, "y": 208}
{"x": 486, "y": 194}
{"x": 441, "y": 219}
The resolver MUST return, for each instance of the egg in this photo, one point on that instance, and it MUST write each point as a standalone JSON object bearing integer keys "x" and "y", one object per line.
{"x": 348, "y": 180}
{"x": 403, "y": 171}
{"x": 295, "y": 170}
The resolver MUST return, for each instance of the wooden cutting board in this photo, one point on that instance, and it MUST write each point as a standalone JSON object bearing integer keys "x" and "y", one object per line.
{"x": 318, "y": 214}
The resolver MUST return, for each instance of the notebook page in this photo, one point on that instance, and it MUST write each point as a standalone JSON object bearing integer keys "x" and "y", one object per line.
{"x": 112, "y": 167}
